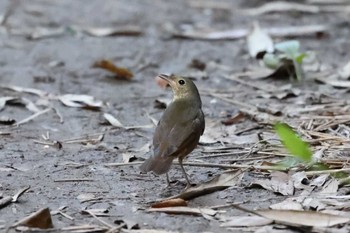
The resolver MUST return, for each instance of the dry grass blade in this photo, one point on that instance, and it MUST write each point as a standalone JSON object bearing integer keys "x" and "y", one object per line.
{"x": 184, "y": 210}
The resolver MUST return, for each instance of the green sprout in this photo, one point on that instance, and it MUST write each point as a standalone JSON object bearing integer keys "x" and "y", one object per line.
{"x": 288, "y": 56}
{"x": 293, "y": 143}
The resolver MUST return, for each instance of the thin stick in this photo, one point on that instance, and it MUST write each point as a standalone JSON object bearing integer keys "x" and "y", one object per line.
{"x": 228, "y": 166}
{"x": 248, "y": 159}
{"x": 223, "y": 154}
{"x": 75, "y": 180}
{"x": 35, "y": 115}
{"x": 100, "y": 220}
{"x": 311, "y": 173}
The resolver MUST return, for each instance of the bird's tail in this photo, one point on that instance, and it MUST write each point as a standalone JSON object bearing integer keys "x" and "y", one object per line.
{"x": 158, "y": 165}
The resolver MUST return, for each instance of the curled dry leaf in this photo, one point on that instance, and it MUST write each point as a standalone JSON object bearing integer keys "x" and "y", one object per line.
{"x": 117, "y": 31}
{"x": 112, "y": 120}
{"x": 81, "y": 101}
{"x": 259, "y": 42}
{"x": 120, "y": 72}
{"x": 280, "y": 6}
{"x": 5, "y": 99}
{"x": 128, "y": 157}
{"x": 170, "y": 203}
{"x": 220, "y": 182}
{"x": 234, "y": 119}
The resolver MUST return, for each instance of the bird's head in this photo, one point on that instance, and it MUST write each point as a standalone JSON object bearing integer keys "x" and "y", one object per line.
{"x": 182, "y": 87}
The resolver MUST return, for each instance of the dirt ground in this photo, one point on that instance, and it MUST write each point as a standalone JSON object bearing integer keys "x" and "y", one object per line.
{"x": 61, "y": 64}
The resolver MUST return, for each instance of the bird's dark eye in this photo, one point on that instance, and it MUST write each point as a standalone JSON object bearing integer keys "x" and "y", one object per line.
{"x": 181, "y": 82}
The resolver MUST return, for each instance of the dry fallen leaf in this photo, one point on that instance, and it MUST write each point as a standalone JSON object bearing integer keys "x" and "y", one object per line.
{"x": 288, "y": 204}
{"x": 344, "y": 73}
{"x": 128, "y": 157}
{"x": 81, "y": 101}
{"x": 116, "y": 123}
{"x": 4, "y": 120}
{"x": 279, "y": 6}
{"x": 303, "y": 218}
{"x": 223, "y": 181}
{"x": 42, "y": 32}
{"x": 259, "y": 42}
{"x": 120, "y": 72}
{"x": 112, "y": 120}
{"x": 40, "y": 219}
{"x": 280, "y": 183}
{"x": 3, "y": 101}
{"x": 184, "y": 210}
{"x": 234, "y": 119}
{"x": 170, "y": 203}
{"x": 117, "y": 31}
{"x": 283, "y": 31}
{"x": 246, "y": 221}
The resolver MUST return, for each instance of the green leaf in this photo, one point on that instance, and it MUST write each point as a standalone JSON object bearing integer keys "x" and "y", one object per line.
{"x": 290, "y": 47}
{"x": 293, "y": 143}
{"x": 271, "y": 61}
{"x": 300, "y": 58}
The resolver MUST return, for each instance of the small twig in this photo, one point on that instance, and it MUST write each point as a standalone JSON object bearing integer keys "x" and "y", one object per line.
{"x": 248, "y": 159}
{"x": 75, "y": 180}
{"x": 222, "y": 154}
{"x": 35, "y": 115}
{"x": 58, "y": 113}
{"x": 228, "y": 166}
{"x": 83, "y": 138}
{"x": 312, "y": 173}
{"x": 100, "y": 220}
{"x": 7, "y": 200}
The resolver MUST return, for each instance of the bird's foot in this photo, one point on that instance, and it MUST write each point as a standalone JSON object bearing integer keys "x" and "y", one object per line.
{"x": 189, "y": 185}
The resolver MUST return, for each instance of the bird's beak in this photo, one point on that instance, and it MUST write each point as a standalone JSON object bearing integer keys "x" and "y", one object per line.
{"x": 168, "y": 79}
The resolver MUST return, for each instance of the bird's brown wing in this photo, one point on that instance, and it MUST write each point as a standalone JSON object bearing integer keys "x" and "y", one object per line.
{"x": 180, "y": 138}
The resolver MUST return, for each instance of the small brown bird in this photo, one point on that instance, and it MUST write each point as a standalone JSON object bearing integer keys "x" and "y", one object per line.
{"x": 179, "y": 129}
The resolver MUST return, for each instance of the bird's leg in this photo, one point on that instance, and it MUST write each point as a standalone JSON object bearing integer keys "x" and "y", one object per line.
{"x": 167, "y": 180}
{"x": 185, "y": 174}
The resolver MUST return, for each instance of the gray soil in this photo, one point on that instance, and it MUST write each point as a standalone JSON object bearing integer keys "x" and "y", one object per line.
{"x": 123, "y": 191}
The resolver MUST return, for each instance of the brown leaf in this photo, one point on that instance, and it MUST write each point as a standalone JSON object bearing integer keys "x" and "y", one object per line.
{"x": 120, "y": 72}
{"x": 40, "y": 219}
{"x": 170, "y": 203}
{"x": 220, "y": 182}
{"x": 234, "y": 119}
{"x": 80, "y": 101}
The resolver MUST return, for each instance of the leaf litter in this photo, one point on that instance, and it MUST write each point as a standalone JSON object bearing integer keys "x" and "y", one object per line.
{"x": 319, "y": 117}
